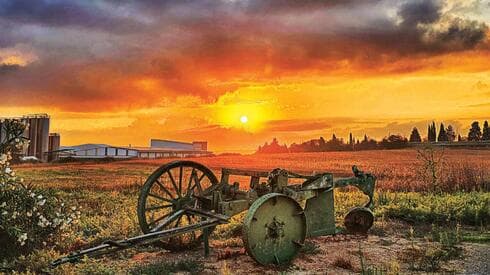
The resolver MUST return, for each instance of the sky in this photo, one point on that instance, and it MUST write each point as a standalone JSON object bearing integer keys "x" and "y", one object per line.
{"x": 122, "y": 72}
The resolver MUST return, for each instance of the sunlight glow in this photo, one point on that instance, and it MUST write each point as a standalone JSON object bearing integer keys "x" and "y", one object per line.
{"x": 243, "y": 119}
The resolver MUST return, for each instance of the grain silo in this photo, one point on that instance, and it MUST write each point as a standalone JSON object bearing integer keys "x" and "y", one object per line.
{"x": 54, "y": 146}
{"x": 38, "y": 134}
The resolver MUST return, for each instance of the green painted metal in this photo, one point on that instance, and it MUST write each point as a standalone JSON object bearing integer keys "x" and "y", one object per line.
{"x": 359, "y": 220}
{"x": 274, "y": 229}
{"x": 364, "y": 181}
{"x": 182, "y": 202}
{"x": 320, "y": 214}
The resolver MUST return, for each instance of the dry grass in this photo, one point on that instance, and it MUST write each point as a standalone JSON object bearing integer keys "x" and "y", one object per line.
{"x": 396, "y": 170}
{"x": 108, "y": 193}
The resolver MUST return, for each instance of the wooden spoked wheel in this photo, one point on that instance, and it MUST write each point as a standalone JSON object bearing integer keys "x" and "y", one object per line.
{"x": 166, "y": 194}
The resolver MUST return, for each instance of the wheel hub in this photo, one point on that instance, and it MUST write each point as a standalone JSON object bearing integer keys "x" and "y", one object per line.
{"x": 275, "y": 229}
{"x": 182, "y": 202}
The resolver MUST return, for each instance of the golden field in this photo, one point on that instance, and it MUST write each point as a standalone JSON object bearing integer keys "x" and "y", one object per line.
{"x": 396, "y": 170}
{"x": 409, "y": 216}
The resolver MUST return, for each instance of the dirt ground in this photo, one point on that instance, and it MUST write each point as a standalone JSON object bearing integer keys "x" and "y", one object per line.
{"x": 338, "y": 254}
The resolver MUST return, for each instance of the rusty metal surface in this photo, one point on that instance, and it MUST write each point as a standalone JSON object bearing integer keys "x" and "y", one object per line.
{"x": 175, "y": 203}
{"x": 274, "y": 229}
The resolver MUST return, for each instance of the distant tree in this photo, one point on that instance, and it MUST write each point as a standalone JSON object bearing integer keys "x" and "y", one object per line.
{"x": 475, "y": 132}
{"x": 431, "y": 132}
{"x": 351, "y": 140}
{"x": 394, "y": 142}
{"x": 451, "y": 135}
{"x": 274, "y": 147}
{"x": 442, "y": 137}
{"x": 415, "y": 136}
{"x": 429, "y": 128}
{"x": 486, "y": 132}
{"x": 459, "y": 138}
{"x": 322, "y": 144}
{"x": 367, "y": 144}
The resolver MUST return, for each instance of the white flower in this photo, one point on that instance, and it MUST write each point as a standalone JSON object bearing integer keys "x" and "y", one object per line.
{"x": 3, "y": 159}
{"x": 3, "y": 204}
{"x": 4, "y": 213}
{"x": 40, "y": 196}
{"x": 29, "y": 214}
{"x": 8, "y": 170}
{"x": 22, "y": 239}
{"x": 41, "y": 203}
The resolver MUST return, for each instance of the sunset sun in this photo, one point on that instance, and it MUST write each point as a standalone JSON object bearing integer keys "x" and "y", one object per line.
{"x": 244, "y": 119}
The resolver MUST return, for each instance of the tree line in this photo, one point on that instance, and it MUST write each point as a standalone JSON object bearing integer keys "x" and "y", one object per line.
{"x": 445, "y": 135}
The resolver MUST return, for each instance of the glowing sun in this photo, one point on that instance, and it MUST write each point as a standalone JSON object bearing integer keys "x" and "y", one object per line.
{"x": 244, "y": 119}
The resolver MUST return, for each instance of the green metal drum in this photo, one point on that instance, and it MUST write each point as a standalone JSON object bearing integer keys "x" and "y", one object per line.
{"x": 274, "y": 229}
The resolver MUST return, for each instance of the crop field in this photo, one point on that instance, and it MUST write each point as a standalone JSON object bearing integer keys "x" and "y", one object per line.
{"x": 423, "y": 224}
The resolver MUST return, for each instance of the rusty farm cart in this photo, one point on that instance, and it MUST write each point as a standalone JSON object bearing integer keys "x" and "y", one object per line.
{"x": 183, "y": 201}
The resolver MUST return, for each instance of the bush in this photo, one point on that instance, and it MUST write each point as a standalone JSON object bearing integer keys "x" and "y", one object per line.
{"x": 466, "y": 208}
{"x": 29, "y": 218}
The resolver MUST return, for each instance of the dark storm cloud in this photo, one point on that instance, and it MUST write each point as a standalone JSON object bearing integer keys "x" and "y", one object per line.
{"x": 426, "y": 29}
{"x": 64, "y": 13}
{"x": 7, "y": 68}
{"x": 420, "y": 11}
{"x": 465, "y": 33}
{"x": 94, "y": 51}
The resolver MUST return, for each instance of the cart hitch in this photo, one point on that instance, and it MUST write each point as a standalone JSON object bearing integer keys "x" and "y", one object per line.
{"x": 110, "y": 246}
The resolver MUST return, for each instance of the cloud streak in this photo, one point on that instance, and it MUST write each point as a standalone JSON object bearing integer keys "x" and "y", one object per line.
{"x": 90, "y": 51}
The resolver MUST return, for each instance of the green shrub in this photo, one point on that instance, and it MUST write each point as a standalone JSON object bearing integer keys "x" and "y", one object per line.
{"x": 29, "y": 218}
{"x": 472, "y": 208}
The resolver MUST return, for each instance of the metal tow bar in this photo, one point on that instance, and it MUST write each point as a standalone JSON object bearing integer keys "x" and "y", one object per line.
{"x": 113, "y": 246}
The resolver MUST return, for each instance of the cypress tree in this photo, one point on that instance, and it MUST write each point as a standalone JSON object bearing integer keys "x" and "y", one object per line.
{"x": 415, "y": 136}
{"x": 434, "y": 131}
{"x": 431, "y": 132}
{"x": 451, "y": 135}
{"x": 475, "y": 132}
{"x": 442, "y": 134}
{"x": 486, "y": 132}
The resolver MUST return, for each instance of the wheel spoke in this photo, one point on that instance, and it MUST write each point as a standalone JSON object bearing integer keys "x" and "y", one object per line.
{"x": 181, "y": 174}
{"x": 164, "y": 189}
{"x": 161, "y": 218}
{"x": 159, "y": 197}
{"x": 178, "y": 221}
{"x": 174, "y": 184}
{"x": 196, "y": 184}
{"x": 168, "y": 220}
{"x": 157, "y": 207}
{"x": 190, "y": 181}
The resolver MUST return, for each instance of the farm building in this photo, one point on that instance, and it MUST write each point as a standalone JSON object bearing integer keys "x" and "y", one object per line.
{"x": 40, "y": 140}
{"x": 158, "y": 149}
